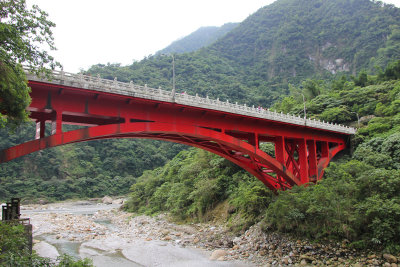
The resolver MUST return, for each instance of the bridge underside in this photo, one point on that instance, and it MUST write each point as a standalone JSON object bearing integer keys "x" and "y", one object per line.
{"x": 301, "y": 154}
{"x": 285, "y": 170}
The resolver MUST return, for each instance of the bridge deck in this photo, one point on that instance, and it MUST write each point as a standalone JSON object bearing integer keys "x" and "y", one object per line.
{"x": 144, "y": 92}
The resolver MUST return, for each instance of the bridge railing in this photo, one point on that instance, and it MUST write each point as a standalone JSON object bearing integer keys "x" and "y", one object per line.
{"x": 130, "y": 89}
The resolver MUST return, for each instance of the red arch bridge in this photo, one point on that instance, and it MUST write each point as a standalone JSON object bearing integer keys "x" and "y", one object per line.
{"x": 112, "y": 109}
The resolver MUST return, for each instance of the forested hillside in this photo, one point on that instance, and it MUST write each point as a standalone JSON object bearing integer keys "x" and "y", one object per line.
{"x": 202, "y": 37}
{"x": 357, "y": 200}
{"x": 286, "y": 42}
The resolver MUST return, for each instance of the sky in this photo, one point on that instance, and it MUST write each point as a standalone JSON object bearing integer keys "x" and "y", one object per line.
{"x": 89, "y": 32}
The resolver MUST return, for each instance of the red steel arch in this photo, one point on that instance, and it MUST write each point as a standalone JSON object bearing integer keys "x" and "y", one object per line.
{"x": 301, "y": 153}
{"x": 233, "y": 149}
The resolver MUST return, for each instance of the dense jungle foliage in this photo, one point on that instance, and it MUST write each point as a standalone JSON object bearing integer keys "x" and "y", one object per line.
{"x": 357, "y": 200}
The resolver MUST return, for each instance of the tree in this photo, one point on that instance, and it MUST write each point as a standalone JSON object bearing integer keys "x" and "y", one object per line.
{"x": 23, "y": 34}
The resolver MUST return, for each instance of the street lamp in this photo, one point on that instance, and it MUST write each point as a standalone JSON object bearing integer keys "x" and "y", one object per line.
{"x": 304, "y": 103}
{"x": 173, "y": 78}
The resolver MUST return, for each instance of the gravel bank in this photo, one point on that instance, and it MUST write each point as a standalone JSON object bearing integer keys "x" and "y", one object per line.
{"x": 110, "y": 230}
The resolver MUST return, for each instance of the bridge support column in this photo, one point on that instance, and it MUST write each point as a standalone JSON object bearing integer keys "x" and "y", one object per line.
{"x": 253, "y": 140}
{"x": 303, "y": 162}
{"x": 56, "y": 124}
{"x": 280, "y": 149}
{"x": 280, "y": 152}
{"x": 324, "y": 149}
{"x": 312, "y": 160}
{"x": 40, "y": 129}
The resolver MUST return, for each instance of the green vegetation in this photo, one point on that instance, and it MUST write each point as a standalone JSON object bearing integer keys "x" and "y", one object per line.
{"x": 193, "y": 183}
{"x": 358, "y": 197}
{"x": 14, "y": 252}
{"x": 357, "y": 200}
{"x": 18, "y": 26}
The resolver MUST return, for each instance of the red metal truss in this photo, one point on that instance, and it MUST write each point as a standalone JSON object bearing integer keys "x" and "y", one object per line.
{"x": 301, "y": 153}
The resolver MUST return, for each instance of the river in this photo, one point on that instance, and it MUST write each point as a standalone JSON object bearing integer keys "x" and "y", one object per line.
{"x": 111, "y": 237}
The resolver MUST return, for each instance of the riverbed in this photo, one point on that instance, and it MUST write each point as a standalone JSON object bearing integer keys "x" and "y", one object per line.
{"x": 111, "y": 237}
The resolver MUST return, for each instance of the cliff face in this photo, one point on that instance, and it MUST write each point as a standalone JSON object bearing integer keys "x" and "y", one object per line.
{"x": 298, "y": 38}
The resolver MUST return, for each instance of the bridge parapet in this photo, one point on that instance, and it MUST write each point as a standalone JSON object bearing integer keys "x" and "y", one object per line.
{"x": 96, "y": 83}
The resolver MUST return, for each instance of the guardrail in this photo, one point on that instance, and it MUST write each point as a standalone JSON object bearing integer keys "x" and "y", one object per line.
{"x": 129, "y": 89}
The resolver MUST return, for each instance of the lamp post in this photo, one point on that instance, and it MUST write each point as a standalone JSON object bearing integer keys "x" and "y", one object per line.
{"x": 304, "y": 103}
{"x": 173, "y": 78}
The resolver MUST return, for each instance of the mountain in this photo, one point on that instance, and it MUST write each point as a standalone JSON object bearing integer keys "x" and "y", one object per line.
{"x": 291, "y": 40}
{"x": 204, "y": 36}
{"x": 284, "y": 43}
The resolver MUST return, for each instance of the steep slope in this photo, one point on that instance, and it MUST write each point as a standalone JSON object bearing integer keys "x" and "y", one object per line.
{"x": 291, "y": 40}
{"x": 202, "y": 37}
{"x": 285, "y": 42}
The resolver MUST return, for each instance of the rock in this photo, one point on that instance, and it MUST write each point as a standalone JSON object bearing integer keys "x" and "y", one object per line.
{"x": 393, "y": 265}
{"x": 44, "y": 249}
{"x": 149, "y": 239}
{"x": 196, "y": 240}
{"x": 263, "y": 252}
{"x": 165, "y": 232}
{"x": 217, "y": 254}
{"x": 303, "y": 262}
{"x": 118, "y": 201}
{"x": 357, "y": 265}
{"x": 387, "y": 264}
{"x": 43, "y": 202}
{"x": 285, "y": 260}
{"x": 221, "y": 258}
{"x": 390, "y": 258}
{"x": 107, "y": 200}
{"x": 307, "y": 258}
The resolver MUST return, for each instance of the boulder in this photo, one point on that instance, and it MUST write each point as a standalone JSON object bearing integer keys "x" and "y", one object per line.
{"x": 217, "y": 254}
{"x": 390, "y": 258}
{"x": 107, "y": 200}
{"x": 46, "y": 250}
{"x": 118, "y": 201}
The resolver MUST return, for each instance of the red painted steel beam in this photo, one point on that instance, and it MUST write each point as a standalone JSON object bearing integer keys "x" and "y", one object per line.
{"x": 301, "y": 152}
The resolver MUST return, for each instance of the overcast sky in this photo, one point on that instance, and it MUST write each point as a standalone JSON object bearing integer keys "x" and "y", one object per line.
{"x": 121, "y": 31}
